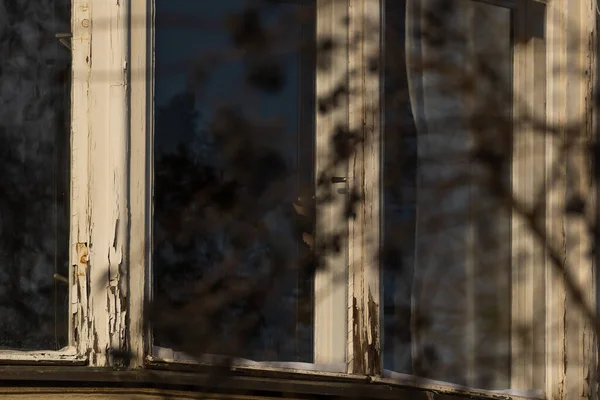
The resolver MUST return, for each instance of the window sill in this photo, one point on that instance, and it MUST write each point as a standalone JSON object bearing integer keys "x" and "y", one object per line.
{"x": 227, "y": 383}
{"x": 167, "y": 359}
{"x": 67, "y": 356}
{"x": 311, "y": 382}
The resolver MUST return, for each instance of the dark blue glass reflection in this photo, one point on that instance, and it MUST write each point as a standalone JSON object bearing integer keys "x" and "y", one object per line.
{"x": 234, "y": 133}
{"x": 34, "y": 175}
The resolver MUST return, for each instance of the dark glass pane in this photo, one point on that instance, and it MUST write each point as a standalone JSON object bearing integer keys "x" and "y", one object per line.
{"x": 233, "y": 162}
{"x": 447, "y": 246}
{"x": 34, "y": 174}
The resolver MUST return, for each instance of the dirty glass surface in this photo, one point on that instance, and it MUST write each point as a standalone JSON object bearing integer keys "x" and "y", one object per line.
{"x": 34, "y": 174}
{"x": 233, "y": 170}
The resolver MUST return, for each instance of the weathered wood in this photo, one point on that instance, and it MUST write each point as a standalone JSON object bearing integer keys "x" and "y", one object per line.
{"x": 330, "y": 281}
{"x": 555, "y": 294}
{"x": 364, "y": 302}
{"x": 221, "y": 384}
{"x": 80, "y": 172}
{"x": 111, "y": 176}
{"x": 100, "y": 132}
{"x": 140, "y": 180}
{"x": 66, "y": 356}
{"x": 570, "y": 272}
{"x": 528, "y": 184}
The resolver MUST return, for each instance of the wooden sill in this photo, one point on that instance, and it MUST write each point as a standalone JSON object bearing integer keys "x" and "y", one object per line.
{"x": 222, "y": 382}
{"x": 66, "y": 356}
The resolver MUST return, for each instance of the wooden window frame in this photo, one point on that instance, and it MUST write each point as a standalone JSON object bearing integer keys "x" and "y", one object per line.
{"x": 111, "y": 192}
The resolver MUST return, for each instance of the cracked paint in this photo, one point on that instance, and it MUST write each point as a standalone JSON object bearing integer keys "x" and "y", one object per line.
{"x": 99, "y": 179}
{"x": 116, "y": 298}
{"x": 366, "y": 337}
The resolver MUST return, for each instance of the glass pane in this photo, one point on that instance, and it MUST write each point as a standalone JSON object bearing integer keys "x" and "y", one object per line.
{"x": 447, "y": 246}
{"x": 233, "y": 168}
{"x": 34, "y": 171}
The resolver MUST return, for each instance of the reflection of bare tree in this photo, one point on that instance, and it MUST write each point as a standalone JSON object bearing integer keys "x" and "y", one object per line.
{"x": 34, "y": 139}
{"x": 224, "y": 224}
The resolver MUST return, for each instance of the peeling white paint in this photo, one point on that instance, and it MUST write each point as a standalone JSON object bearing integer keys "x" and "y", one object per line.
{"x": 100, "y": 121}
{"x": 109, "y": 138}
{"x": 68, "y": 354}
{"x": 364, "y": 340}
{"x": 80, "y": 131}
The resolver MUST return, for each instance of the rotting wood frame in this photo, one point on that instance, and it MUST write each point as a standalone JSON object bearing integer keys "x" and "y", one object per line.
{"x": 111, "y": 176}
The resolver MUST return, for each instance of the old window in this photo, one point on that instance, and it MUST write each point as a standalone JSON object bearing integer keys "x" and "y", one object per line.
{"x": 219, "y": 149}
{"x": 252, "y": 146}
{"x": 298, "y": 186}
{"x": 235, "y": 200}
{"x": 445, "y": 290}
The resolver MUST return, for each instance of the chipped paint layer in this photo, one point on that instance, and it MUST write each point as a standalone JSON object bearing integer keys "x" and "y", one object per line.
{"x": 365, "y": 340}
{"x": 100, "y": 178}
{"x": 67, "y": 355}
{"x": 80, "y": 133}
{"x": 80, "y": 295}
{"x": 364, "y": 347}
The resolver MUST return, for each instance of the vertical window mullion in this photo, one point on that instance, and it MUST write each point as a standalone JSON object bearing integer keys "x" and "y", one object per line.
{"x": 528, "y": 282}
{"x": 331, "y": 281}
{"x": 570, "y": 268}
{"x": 140, "y": 183}
{"x": 99, "y": 151}
{"x": 80, "y": 126}
{"x": 364, "y": 342}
